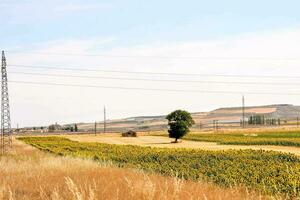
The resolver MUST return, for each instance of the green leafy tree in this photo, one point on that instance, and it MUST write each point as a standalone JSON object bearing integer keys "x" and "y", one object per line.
{"x": 76, "y": 128}
{"x": 51, "y": 128}
{"x": 179, "y": 123}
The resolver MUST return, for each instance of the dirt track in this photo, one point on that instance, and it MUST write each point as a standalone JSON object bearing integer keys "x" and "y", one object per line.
{"x": 164, "y": 142}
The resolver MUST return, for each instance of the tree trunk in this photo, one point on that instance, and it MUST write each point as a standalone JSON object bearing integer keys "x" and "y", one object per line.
{"x": 176, "y": 140}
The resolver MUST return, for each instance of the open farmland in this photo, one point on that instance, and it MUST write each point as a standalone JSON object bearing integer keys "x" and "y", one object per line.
{"x": 279, "y": 176}
{"x": 29, "y": 174}
{"x": 277, "y": 138}
{"x": 159, "y": 139}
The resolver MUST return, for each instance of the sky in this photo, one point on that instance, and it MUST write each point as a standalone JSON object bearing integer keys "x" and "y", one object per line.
{"x": 179, "y": 42}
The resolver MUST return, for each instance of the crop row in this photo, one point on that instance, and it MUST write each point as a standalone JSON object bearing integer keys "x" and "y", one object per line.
{"x": 276, "y": 138}
{"x": 268, "y": 172}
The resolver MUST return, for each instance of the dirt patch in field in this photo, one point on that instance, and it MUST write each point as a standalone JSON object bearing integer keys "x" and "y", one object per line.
{"x": 165, "y": 142}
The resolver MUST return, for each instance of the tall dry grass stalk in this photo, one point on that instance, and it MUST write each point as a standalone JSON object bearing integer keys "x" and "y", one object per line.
{"x": 30, "y": 174}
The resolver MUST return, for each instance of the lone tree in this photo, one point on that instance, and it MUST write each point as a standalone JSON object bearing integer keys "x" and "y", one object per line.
{"x": 179, "y": 123}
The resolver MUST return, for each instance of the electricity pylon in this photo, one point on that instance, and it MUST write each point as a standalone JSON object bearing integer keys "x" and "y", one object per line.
{"x": 6, "y": 132}
{"x": 104, "y": 120}
{"x": 243, "y": 111}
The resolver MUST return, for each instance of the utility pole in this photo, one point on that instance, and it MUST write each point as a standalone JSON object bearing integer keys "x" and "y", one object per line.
{"x": 200, "y": 125}
{"x": 104, "y": 120}
{"x": 95, "y": 128}
{"x": 6, "y": 132}
{"x": 216, "y": 125}
{"x": 243, "y": 111}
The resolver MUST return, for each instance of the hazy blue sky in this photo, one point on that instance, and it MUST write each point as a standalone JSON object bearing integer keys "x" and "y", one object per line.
{"x": 260, "y": 37}
{"x": 135, "y": 22}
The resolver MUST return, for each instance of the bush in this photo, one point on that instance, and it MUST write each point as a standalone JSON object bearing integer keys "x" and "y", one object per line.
{"x": 129, "y": 134}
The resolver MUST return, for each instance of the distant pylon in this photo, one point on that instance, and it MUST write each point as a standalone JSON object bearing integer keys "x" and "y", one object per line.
{"x": 6, "y": 132}
{"x": 243, "y": 111}
{"x": 104, "y": 120}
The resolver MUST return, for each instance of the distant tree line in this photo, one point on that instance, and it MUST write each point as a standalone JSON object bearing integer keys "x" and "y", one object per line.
{"x": 262, "y": 120}
{"x": 55, "y": 127}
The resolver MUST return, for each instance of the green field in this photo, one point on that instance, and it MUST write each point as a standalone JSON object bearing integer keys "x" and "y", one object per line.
{"x": 279, "y": 138}
{"x": 267, "y": 172}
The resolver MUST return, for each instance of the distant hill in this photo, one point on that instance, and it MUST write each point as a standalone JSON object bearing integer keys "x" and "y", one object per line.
{"x": 223, "y": 115}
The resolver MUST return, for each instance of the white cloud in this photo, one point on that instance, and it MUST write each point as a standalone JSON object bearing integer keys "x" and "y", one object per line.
{"x": 31, "y": 11}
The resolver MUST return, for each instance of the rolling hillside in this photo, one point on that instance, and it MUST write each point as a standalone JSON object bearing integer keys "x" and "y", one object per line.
{"x": 231, "y": 115}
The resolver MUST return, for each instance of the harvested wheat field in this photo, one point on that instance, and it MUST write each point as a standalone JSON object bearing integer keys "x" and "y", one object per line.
{"x": 30, "y": 174}
{"x": 165, "y": 142}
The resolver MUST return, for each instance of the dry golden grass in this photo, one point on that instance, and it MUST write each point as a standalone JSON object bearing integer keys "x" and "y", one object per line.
{"x": 30, "y": 174}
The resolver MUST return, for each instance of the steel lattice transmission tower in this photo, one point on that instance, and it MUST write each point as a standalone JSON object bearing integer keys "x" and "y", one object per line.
{"x": 6, "y": 132}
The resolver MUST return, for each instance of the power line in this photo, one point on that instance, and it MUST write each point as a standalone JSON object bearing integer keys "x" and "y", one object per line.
{"x": 151, "y": 73}
{"x": 155, "y": 89}
{"x": 157, "y": 80}
{"x": 159, "y": 57}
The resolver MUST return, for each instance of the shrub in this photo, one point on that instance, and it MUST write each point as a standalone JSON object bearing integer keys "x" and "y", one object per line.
{"x": 129, "y": 134}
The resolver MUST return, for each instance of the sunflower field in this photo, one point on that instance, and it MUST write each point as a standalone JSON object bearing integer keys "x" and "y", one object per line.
{"x": 265, "y": 171}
